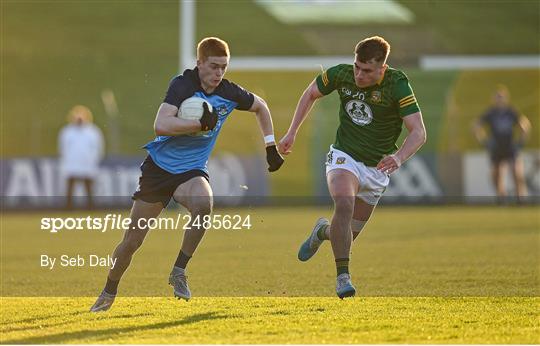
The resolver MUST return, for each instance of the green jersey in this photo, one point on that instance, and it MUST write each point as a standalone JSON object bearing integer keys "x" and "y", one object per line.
{"x": 370, "y": 119}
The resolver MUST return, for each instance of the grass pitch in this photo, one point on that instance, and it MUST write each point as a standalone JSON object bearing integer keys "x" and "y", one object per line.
{"x": 307, "y": 320}
{"x": 423, "y": 274}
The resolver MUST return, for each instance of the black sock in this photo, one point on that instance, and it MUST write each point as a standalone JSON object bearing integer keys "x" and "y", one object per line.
{"x": 182, "y": 260}
{"x": 111, "y": 286}
{"x": 342, "y": 266}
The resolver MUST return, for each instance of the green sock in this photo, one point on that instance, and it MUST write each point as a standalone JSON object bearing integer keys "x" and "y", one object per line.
{"x": 342, "y": 266}
{"x": 321, "y": 233}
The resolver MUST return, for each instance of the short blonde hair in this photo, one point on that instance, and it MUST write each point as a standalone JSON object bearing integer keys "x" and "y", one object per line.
{"x": 373, "y": 48}
{"x": 82, "y": 112}
{"x": 212, "y": 46}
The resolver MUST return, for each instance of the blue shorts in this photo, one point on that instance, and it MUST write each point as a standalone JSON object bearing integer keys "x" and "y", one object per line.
{"x": 158, "y": 185}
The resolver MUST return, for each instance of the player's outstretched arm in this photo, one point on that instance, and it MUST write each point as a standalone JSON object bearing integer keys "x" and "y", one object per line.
{"x": 264, "y": 119}
{"x": 308, "y": 98}
{"x": 414, "y": 140}
{"x": 168, "y": 124}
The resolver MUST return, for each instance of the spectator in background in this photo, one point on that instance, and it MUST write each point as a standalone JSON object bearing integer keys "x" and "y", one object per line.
{"x": 503, "y": 145}
{"x": 81, "y": 148}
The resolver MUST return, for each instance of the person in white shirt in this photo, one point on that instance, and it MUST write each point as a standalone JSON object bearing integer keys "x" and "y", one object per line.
{"x": 81, "y": 148}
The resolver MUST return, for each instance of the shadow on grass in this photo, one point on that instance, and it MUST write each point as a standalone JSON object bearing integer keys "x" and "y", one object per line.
{"x": 40, "y": 318}
{"x": 102, "y": 334}
{"x": 38, "y": 321}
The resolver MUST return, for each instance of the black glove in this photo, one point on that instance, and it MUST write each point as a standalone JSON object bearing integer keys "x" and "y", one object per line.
{"x": 273, "y": 158}
{"x": 209, "y": 119}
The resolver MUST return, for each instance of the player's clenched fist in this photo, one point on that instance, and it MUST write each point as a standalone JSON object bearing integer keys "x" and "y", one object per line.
{"x": 286, "y": 143}
{"x": 273, "y": 158}
{"x": 389, "y": 164}
{"x": 208, "y": 119}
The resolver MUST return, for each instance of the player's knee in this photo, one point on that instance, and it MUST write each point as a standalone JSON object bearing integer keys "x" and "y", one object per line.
{"x": 201, "y": 208}
{"x": 132, "y": 244}
{"x": 344, "y": 204}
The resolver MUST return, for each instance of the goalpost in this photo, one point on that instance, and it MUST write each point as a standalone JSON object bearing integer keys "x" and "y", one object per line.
{"x": 186, "y": 35}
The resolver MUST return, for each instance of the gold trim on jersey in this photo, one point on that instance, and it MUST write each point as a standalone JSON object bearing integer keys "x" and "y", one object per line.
{"x": 406, "y": 98}
{"x": 407, "y": 104}
{"x": 325, "y": 79}
{"x": 407, "y": 101}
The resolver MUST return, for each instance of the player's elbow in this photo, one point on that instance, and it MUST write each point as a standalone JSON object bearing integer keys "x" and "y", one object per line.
{"x": 160, "y": 129}
{"x": 423, "y": 136}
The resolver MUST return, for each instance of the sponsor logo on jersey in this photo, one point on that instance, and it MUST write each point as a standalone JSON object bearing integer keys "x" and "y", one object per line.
{"x": 329, "y": 157}
{"x": 346, "y": 91}
{"x": 355, "y": 95}
{"x": 340, "y": 160}
{"x": 359, "y": 112}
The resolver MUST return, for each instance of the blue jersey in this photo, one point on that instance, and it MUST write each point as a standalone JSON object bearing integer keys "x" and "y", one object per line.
{"x": 178, "y": 154}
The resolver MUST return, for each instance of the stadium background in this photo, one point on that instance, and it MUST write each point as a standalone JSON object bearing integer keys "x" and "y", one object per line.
{"x": 57, "y": 54}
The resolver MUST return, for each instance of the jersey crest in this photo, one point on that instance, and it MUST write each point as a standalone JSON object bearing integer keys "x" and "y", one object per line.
{"x": 376, "y": 96}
